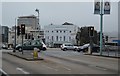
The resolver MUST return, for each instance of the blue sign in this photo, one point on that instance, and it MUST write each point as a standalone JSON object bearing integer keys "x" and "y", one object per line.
{"x": 118, "y": 41}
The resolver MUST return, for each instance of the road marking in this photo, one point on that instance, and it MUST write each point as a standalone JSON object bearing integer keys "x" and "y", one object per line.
{"x": 50, "y": 67}
{"x": 100, "y": 68}
{"x": 67, "y": 68}
{"x": 20, "y": 69}
{"x": 97, "y": 67}
{"x": 3, "y": 71}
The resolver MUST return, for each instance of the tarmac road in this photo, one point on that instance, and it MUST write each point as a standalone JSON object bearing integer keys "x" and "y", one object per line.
{"x": 59, "y": 62}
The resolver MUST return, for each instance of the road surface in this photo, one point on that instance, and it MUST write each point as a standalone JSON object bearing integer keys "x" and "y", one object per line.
{"x": 60, "y": 62}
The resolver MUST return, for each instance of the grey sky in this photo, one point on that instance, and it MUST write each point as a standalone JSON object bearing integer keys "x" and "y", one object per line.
{"x": 78, "y": 13}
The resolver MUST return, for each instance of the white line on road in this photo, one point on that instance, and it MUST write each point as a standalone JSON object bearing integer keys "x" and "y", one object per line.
{"x": 97, "y": 67}
{"x": 67, "y": 68}
{"x": 50, "y": 67}
{"x": 3, "y": 71}
{"x": 20, "y": 69}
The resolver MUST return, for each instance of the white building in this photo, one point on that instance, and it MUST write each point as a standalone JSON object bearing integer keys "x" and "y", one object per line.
{"x": 55, "y": 35}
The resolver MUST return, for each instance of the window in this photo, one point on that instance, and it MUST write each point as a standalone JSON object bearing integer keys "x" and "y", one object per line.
{"x": 64, "y": 31}
{"x": 52, "y": 31}
{"x": 52, "y": 38}
{"x": 56, "y": 38}
{"x": 57, "y": 31}
{"x": 35, "y": 43}
{"x": 12, "y": 37}
{"x": 60, "y": 38}
{"x": 48, "y": 37}
{"x": 69, "y": 38}
{"x": 64, "y": 38}
{"x": 70, "y": 31}
{"x": 60, "y": 31}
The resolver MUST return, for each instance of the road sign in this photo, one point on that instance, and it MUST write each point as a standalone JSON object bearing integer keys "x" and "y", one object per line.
{"x": 106, "y": 7}
{"x": 97, "y": 7}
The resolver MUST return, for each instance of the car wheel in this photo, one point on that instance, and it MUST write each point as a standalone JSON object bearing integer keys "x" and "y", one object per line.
{"x": 75, "y": 49}
{"x": 20, "y": 49}
{"x": 78, "y": 50}
{"x": 64, "y": 49}
{"x": 44, "y": 49}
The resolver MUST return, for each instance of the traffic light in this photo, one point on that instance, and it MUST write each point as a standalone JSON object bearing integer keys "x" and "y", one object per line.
{"x": 22, "y": 29}
{"x": 18, "y": 30}
{"x": 106, "y": 38}
{"x": 91, "y": 31}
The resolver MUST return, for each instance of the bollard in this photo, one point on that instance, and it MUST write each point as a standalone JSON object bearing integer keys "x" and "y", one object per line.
{"x": 35, "y": 53}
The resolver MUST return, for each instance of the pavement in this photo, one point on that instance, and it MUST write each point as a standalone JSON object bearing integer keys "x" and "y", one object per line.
{"x": 105, "y": 54}
{"x": 27, "y": 55}
{"x": 75, "y": 58}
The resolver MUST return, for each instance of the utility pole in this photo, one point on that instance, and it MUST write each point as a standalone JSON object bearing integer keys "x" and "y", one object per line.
{"x": 100, "y": 10}
{"x": 101, "y": 26}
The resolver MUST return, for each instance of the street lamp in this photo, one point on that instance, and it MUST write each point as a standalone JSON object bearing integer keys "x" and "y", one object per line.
{"x": 37, "y": 10}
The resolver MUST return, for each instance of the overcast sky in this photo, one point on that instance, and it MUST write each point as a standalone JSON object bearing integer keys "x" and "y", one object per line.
{"x": 78, "y": 13}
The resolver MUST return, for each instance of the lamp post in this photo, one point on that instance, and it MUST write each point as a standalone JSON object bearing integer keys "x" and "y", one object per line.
{"x": 101, "y": 26}
{"x": 37, "y": 10}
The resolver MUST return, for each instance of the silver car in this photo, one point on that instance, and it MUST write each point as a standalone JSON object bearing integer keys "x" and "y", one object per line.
{"x": 68, "y": 46}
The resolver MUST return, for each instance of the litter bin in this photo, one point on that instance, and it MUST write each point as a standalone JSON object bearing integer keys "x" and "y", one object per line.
{"x": 35, "y": 53}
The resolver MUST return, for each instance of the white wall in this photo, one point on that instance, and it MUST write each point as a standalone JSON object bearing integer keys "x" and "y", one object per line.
{"x": 67, "y": 34}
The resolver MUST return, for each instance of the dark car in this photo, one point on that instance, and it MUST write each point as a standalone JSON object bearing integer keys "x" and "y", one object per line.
{"x": 30, "y": 45}
{"x": 4, "y": 46}
{"x": 84, "y": 48}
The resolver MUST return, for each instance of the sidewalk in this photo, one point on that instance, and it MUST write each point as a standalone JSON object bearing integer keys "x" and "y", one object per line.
{"x": 106, "y": 54}
{"x": 27, "y": 55}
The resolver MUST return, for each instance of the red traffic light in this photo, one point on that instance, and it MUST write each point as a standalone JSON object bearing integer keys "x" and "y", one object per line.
{"x": 22, "y": 28}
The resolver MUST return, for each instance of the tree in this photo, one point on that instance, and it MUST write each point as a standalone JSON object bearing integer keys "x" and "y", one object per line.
{"x": 83, "y": 36}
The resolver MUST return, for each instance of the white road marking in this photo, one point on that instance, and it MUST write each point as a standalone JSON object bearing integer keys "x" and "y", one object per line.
{"x": 50, "y": 67}
{"x": 3, "y": 71}
{"x": 20, "y": 69}
{"x": 97, "y": 67}
{"x": 100, "y": 68}
{"x": 67, "y": 68}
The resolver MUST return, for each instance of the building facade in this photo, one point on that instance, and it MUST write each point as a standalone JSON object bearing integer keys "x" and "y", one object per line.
{"x": 5, "y": 31}
{"x": 29, "y": 21}
{"x": 32, "y": 30}
{"x": 55, "y": 35}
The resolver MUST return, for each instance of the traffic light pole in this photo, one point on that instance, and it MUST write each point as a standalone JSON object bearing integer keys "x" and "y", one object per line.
{"x": 101, "y": 27}
{"x": 22, "y": 43}
{"x": 15, "y": 38}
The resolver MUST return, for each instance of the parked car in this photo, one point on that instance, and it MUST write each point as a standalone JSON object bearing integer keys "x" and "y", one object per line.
{"x": 30, "y": 45}
{"x": 4, "y": 46}
{"x": 68, "y": 46}
{"x": 84, "y": 48}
